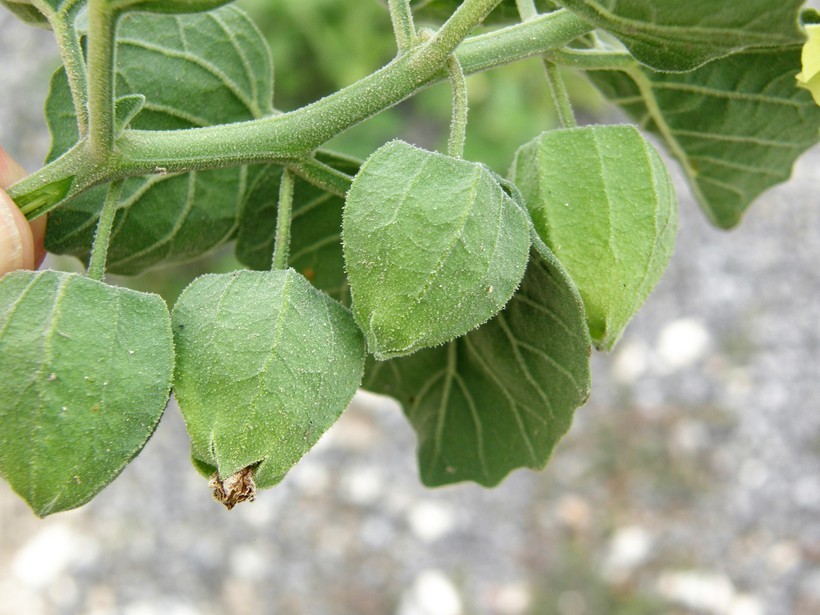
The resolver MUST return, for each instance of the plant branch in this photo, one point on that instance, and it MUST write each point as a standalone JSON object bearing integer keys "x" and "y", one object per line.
{"x": 524, "y": 40}
{"x": 467, "y": 16}
{"x": 458, "y": 121}
{"x": 281, "y": 246}
{"x": 526, "y": 9}
{"x": 566, "y": 118}
{"x": 102, "y": 23}
{"x": 71, "y": 54}
{"x": 592, "y": 59}
{"x": 290, "y": 137}
{"x": 402, "y": 17}
{"x": 102, "y": 238}
{"x": 560, "y": 98}
{"x": 322, "y": 175}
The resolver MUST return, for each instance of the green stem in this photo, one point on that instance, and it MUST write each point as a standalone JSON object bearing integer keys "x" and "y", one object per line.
{"x": 563, "y": 106}
{"x": 102, "y": 23}
{"x": 71, "y": 53}
{"x": 402, "y": 17}
{"x": 526, "y": 9}
{"x": 524, "y": 40}
{"x": 62, "y": 22}
{"x": 322, "y": 175}
{"x": 290, "y": 137}
{"x": 467, "y": 16}
{"x": 592, "y": 59}
{"x": 458, "y": 121}
{"x": 281, "y": 247}
{"x": 102, "y": 238}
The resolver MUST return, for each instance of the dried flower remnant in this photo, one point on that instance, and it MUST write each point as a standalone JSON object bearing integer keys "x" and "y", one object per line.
{"x": 237, "y": 488}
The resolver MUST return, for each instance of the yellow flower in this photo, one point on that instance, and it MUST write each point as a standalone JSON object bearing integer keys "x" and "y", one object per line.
{"x": 810, "y": 77}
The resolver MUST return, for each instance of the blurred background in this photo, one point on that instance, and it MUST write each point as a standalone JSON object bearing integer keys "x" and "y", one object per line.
{"x": 690, "y": 482}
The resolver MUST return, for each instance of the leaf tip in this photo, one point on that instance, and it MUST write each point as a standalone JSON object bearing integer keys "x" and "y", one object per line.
{"x": 235, "y": 489}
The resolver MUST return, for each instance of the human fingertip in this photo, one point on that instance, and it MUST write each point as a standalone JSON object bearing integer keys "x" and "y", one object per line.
{"x": 16, "y": 240}
{"x": 10, "y": 171}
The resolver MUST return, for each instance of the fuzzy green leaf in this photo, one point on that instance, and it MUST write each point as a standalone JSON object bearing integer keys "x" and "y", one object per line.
{"x": 602, "y": 200}
{"x": 502, "y": 396}
{"x": 86, "y": 375}
{"x": 265, "y": 364}
{"x": 680, "y": 36}
{"x": 736, "y": 125}
{"x": 56, "y": 6}
{"x": 316, "y": 228}
{"x": 167, "y": 6}
{"x": 194, "y": 70}
{"x": 27, "y": 12}
{"x": 433, "y": 245}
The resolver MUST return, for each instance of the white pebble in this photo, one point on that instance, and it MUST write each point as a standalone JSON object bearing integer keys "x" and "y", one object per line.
{"x": 430, "y": 520}
{"x": 45, "y": 556}
{"x": 432, "y": 593}
{"x": 629, "y": 548}
{"x": 681, "y": 343}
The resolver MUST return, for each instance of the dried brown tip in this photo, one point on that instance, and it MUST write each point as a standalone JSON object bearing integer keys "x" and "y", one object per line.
{"x": 236, "y": 488}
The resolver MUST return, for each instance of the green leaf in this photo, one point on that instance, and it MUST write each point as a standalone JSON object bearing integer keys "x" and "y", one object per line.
{"x": 736, "y": 125}
{"x": 58, "y": 6}
{"x": 126, "y": 108}
{"x": 50, "y": 193}
{"x": 433, "y": 245}
{"x": 27, "y": 12}
{"x": 680, "y": 36}
{"x": 602, "y": 200}
{"x": 502, "y": 396}
{"x": 265, "y": 364}
{"x": 168, "y": 6}
{"x": 193, "y": 70}
{"x": 315, "y": 235}
{"x": 86, "y": 375}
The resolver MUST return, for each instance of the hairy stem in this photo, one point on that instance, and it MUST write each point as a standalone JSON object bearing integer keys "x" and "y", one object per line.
{"x": 102, "y": 238}
{"x": 102, "y": 23}
{"x": 322, "y": 175}
{"x": 281, "y": 246}
{"x": 71, "y": 53}
{"x": 593, "y": 59}
{"x": 291, "y": 137}
{"x": 458, "y": 121}
{"x": 402, "y": 17}
{"x": 563, "y": 106}
{"x": 566, "y": 118}
{"x": 467, "y": 16}
{"x": 526, "y": 9}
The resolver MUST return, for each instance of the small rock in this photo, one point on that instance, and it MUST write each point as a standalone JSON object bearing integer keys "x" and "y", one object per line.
{"x": 432, "y": 593}
{"x": 681, "y": 343}
{"x": 629, "y": 548}
{"x": 631, "y": 361}
{"x": 47, "y": 555}
{"x": 362, "y": 485}
{"x": 710, "y": 592}
{"x": 430, "y": 520}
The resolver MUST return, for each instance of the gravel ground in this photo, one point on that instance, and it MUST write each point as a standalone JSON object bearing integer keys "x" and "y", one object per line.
{"x": 690, "y": 483}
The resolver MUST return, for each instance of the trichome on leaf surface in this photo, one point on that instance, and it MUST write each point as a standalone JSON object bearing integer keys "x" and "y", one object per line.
{"x": 473, "y": 299}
